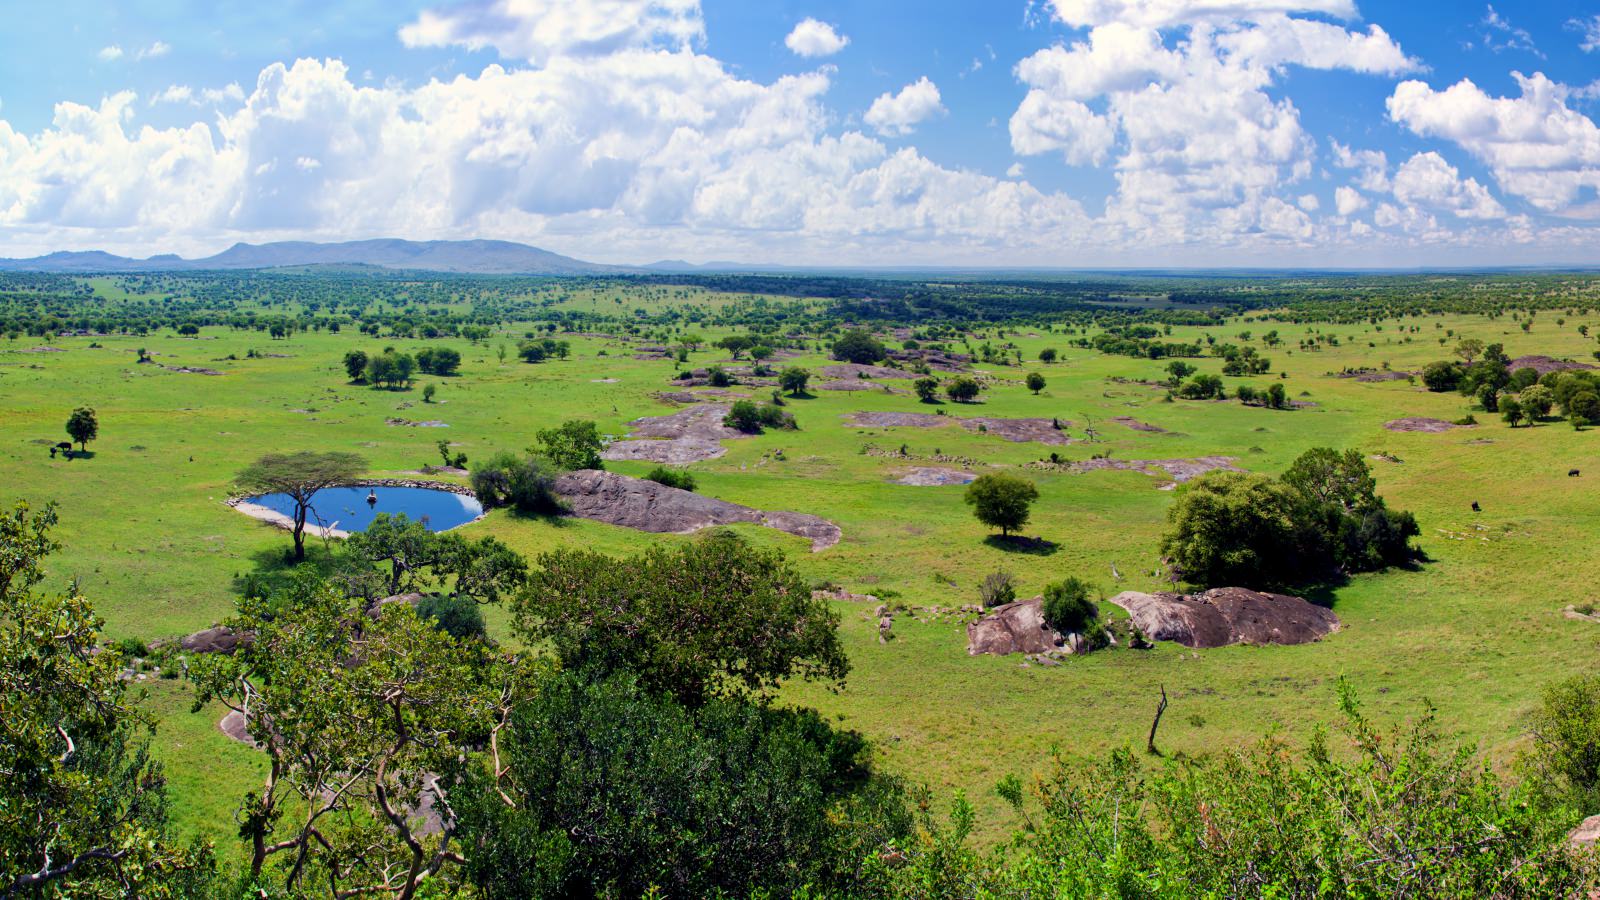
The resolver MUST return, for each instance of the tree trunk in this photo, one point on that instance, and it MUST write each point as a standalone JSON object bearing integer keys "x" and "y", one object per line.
{"x": 300, "y": 532}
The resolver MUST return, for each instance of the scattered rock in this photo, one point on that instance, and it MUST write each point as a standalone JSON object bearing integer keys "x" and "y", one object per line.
{"x": 647, "y": 506}
{"x": 191, "y": 370}
{"x": 407, "y": 423}
{"x": 1224, "y": 616}
{"x": 844, "y": 596}
{"x": 1375, "y": 377}
{"x": 1422, "y": 424}
{"x": 935, "y": 477}
{"x": 42, "y": 350}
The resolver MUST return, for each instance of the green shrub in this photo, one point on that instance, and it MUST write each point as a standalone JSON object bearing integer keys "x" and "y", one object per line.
{"x": 1067, "y": 607}
{"x": 997, "y": 589}
{"x": 673, "y": 478}
{"x": 459, "y": 617}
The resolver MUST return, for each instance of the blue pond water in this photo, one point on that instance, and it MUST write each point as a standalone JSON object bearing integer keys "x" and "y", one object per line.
{"x": 347, "y": 509}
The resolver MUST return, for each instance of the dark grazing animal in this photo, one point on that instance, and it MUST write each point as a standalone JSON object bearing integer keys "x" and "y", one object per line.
{"x": 1476, "y": 507}
{"x": 1574, "y": 473}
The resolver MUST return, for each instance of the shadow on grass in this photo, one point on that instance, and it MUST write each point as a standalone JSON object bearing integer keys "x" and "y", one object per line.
{"x": 273, "y": 568}
{"x": 1016, "y": 543}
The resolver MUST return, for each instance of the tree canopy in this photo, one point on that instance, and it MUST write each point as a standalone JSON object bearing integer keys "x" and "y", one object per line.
{"x": 299, "y": 476}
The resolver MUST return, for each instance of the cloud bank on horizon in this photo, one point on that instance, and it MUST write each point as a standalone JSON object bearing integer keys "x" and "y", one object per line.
{"x": 1137, "y": 132}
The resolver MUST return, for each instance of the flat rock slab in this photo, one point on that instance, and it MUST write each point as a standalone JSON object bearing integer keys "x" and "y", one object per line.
{"x": 689, "y": 435}
{"x": 1226, "y": 616}
{"x": 1038, "y": 431}
{"x": 859, "y": 372}
{"x": 646, "y": 506}
{"x": 924, "y": 476}
{"x": 1544, "y": 365}
{"x": 1042, "y": 431}
{"x": 897, "y": 420}
{"x": 1179, "y": 470}
{"x": 857, "y": 384}
{"x": 1136, "y": 425}
{"x": 1422, "y": 425}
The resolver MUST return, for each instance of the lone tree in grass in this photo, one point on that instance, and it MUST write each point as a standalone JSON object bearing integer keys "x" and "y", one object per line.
{"x": 83, "y": 427}
{"x": 794, "y": 380}
{"x": 1035, "y": 382}
{"x": 1002, "y": 501}
{"x": 927, "y": 389}
{"x": 355, "y": 365}
{"x": 963, "y": 389}
{"x": 299, "y": 476}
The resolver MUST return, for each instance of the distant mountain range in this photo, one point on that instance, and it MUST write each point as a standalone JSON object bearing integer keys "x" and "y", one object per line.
{"x": 457, "y": 257}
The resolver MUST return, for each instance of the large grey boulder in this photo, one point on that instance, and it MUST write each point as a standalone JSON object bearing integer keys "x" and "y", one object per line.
{"x": 1223, "y": 616}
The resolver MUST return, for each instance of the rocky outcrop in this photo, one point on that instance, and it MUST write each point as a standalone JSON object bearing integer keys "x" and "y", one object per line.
{"x": 648, "y": 506}
{"x": 217, "y": 639}
{"x": 1224, "y": 616}
{"x": 1019, "y": 627}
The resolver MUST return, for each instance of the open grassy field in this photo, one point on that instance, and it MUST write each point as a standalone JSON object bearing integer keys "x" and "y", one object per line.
{"x": 1476, "y": 631}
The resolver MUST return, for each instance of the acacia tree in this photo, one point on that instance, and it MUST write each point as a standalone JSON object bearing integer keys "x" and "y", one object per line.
{"x": 367, "y": 720}
{"x": 1002, "y": 501}
{"x": 82, "y": 804}
{"x": 299, "y": 476}
{"x": 83, "y": 427}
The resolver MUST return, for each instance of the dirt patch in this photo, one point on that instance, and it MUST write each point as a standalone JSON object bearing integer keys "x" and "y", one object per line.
{"x": 1226, "y": 616}
{"x": 42, "y": 350}
{"x": 689, "y": 435}
{"x": 191, "y": 370}
{"x": 647, "y": 506}
{"x": 1544, "y": 365}
{"x": 1178, "y": 470}
{"x": 1375, "y": 377}
{"x": 928, "y": 476}
{"x": 407, "y": 423}
{"x": 858, "y": 371}
{"x": 897, "y": 420}
{"x": 1422, "y": 425}
{"x": 1136, "y": 425}
{"x": 1040, "y": 431}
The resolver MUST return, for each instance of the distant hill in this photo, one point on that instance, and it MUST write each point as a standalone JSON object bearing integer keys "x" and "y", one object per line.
{"x": 457, "y": 257}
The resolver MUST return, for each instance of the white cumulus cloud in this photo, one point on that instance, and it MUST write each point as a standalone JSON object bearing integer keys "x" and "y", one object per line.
{"x": 539, "y": 30}
{"x": 900, "y": 113}
{"x": 1536, "y": 146}
{"x": 813, "y": 38}
{"x": 1426, "y": 180}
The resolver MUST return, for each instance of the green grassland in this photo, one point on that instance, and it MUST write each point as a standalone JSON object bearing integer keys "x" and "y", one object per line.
{"x": 1476, "y": 631}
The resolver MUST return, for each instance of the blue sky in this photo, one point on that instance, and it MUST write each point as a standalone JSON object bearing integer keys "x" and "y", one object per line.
{"x": 1034, "y": 132}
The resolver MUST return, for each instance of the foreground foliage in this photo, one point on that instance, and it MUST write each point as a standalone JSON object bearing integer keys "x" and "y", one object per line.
{"x": 82, "y": 805}
{"x": 1378, "y": 815}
